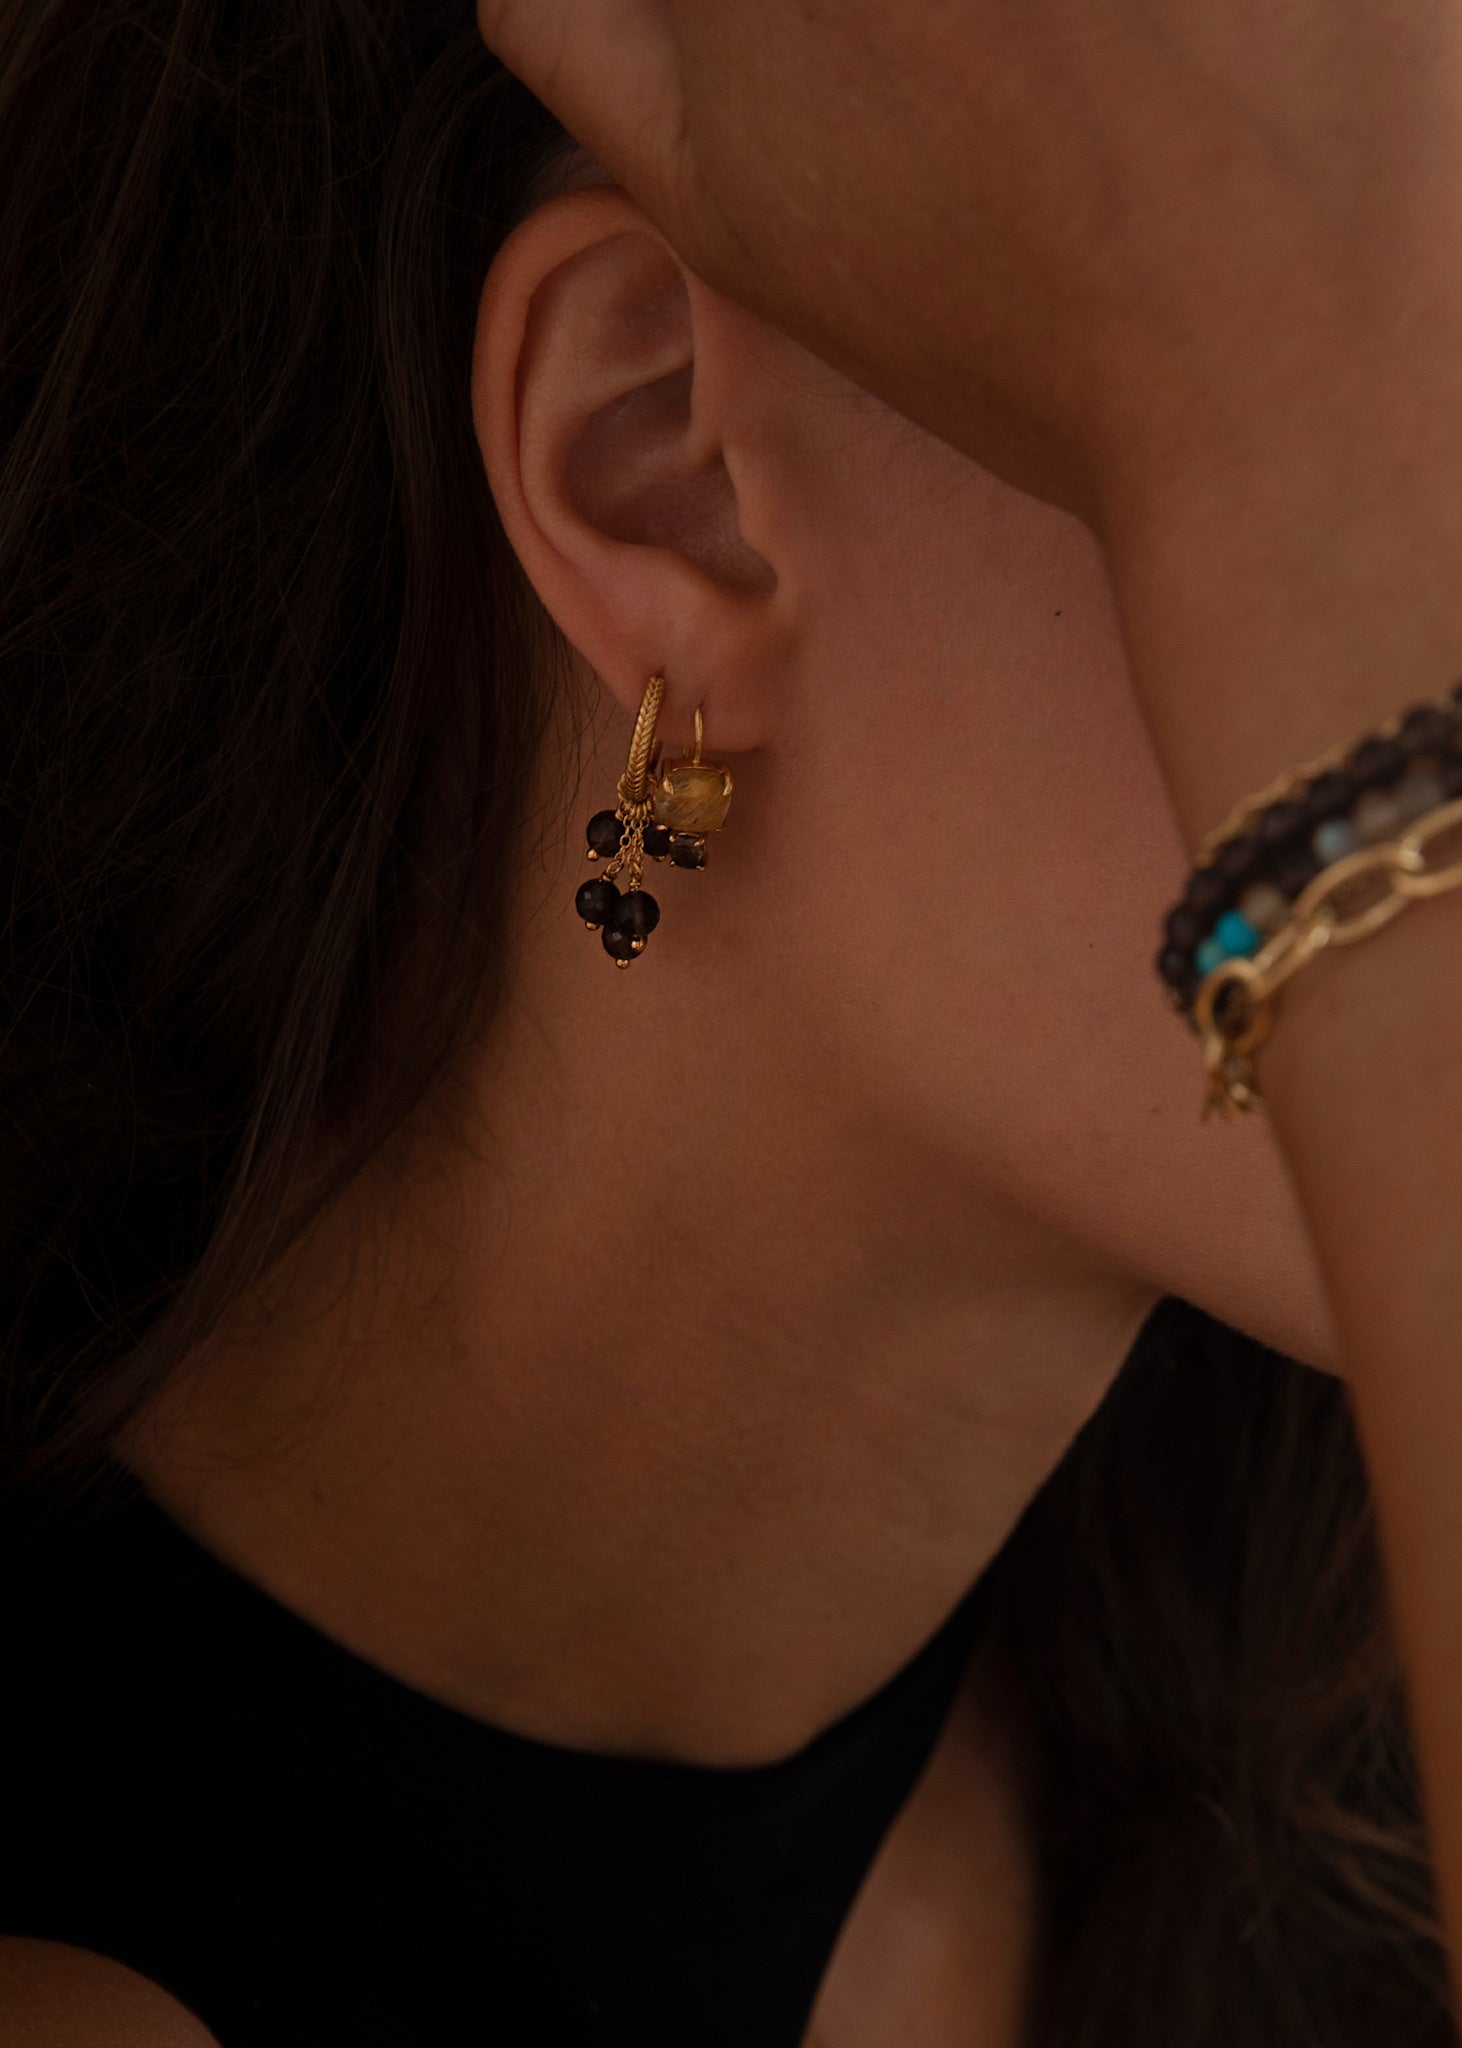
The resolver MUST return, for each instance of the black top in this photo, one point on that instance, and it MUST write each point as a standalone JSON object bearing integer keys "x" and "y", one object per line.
{"x": 306, "y": 1851}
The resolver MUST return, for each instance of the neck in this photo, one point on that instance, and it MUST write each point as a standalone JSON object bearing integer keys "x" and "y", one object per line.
{"x": 644, "y": 1399}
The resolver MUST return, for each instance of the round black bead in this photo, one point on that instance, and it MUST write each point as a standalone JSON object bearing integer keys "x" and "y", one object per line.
{"x": 657, "y": 841}
{"x": 1185, "y": 927}
{"x": 686, "y": 851}
{"x": 638, "y": 914}
{"x": 1426, "y": 728}
{"x": 604, "y": 834}
{"x": 1238, "y": 859}
{"x": 1293, "y": 868}
{"x": 1175, "y": 966}
{"x": 1328, "y": 793}
{"x": 1375, "y": 760}
{"x": 619, "y": 944}
{"x": 1206, "y": 890}
{"x": 596, "y": 900}
{"x": 1280, "y": 822}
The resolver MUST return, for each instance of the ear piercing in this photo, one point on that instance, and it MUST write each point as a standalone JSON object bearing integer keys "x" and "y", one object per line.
{"x": 663, "y": 813}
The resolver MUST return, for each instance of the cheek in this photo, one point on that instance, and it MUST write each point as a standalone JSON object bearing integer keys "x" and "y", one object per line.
{"x": 992, "y": 878}
{"x": 1003, "y": 837}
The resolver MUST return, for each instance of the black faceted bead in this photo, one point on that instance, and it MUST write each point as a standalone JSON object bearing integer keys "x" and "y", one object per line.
{"x": 638, "y": 914}
{"x": 596, "y": 900}
{"x": 686, "y": 851}
{"x": 1206, "y": 890}
{"x": 1281, "y": 821}
{"x": 1375, "y": 760}
{"x": 1426, "y": 728}
{"x": 657, "y": 841}
{"x": 1328, "y": 793}
{"x": 1175, "y": 966}
{"x": 604, "y": 834}
{"x": 1186, "y": 926}
{"x": 1238, "y": 859}
{"x": 1293, "y": 868}
{"x": 619, "y": 944}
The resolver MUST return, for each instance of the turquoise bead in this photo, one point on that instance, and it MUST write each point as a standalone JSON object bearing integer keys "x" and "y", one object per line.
{"x": 1233, "y": 937}
{"x": 1236, "y": 935}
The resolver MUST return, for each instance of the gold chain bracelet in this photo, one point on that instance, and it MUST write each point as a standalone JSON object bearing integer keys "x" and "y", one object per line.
{"x": 1236, "y": 1003}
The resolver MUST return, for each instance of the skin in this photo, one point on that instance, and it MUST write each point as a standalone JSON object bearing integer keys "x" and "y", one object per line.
{"x": 55, "y": 1996}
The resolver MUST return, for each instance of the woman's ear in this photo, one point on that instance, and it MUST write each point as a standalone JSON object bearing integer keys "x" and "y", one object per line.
{"x": 617, "y": 406}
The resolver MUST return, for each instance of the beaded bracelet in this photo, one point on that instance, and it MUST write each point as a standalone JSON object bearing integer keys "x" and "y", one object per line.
{"x": 1325, "y": 856}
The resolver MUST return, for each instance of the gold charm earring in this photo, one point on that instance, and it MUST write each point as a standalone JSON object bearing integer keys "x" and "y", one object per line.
{"x": 663, "y": 813}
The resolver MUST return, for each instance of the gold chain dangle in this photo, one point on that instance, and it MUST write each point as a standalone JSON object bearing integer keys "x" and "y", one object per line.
{"x": 663, "y": 813}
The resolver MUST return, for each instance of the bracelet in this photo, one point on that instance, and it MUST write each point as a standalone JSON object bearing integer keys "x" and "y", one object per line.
{"x": 1328, "y": 854}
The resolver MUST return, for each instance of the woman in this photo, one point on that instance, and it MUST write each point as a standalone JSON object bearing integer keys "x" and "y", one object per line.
{"x": 580, "y": 1504}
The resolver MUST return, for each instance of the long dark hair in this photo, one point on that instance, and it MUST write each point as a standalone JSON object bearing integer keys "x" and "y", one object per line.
{"x": 1194, "y": 1620}
{"x": 272, "y": 689}
{"x": 269, "y": 689}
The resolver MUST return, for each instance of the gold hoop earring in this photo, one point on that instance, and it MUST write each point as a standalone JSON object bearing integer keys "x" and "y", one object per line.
{"x": 663, "y": 813}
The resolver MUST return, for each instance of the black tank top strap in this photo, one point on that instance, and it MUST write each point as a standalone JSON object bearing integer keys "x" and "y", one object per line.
{"x": 304, "y": 1850}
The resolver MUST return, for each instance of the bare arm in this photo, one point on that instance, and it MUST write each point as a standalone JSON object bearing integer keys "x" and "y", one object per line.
{"x": 56, "y": 1996}
{"x": 1268, "y": 649}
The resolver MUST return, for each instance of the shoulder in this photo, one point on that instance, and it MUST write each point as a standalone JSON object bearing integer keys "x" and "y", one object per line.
{"x": 56, "y": 1996}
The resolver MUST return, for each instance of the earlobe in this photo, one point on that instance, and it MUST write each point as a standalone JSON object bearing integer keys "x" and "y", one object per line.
{"x": 609, "y": 434}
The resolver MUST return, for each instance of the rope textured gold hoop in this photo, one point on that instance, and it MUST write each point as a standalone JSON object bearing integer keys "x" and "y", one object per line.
{"x": 634, "y": 784}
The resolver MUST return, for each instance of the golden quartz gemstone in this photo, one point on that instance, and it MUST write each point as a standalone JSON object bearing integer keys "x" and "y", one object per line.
{"x": 692, "y": 796}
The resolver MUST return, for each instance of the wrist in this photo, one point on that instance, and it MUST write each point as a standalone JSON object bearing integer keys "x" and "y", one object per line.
{"x": 1290, "y": 589}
